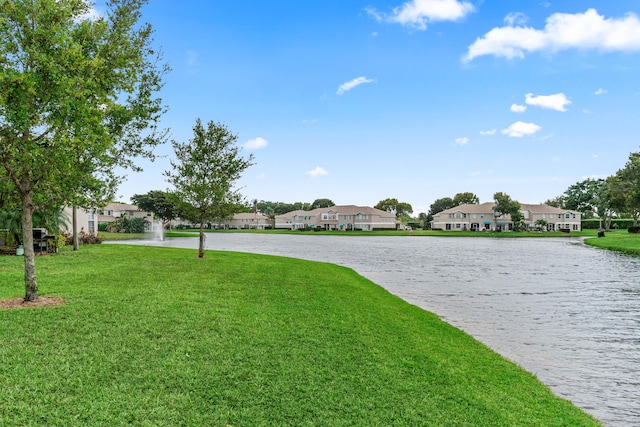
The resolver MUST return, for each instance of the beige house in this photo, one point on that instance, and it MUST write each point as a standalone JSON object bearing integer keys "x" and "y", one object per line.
{"x": 247, "y": 220}
{"x": 348, "y": 217}
{"x": 481, "y": 217}
{"x": 86, "y": 220}
{"x": 115, "y": 210}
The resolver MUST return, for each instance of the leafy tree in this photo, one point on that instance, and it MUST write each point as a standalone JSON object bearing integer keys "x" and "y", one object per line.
{"x": 557, "y": 202}
{"x": 204, "y": 174}
{"x": 542, "y": 224}
{"x": 76, "y": 96}
{"x": 271, "y": 209}
{"x": 424, "y": 219}
{"x": 322, "y": 203}
{"x": 627, "y": 187}
{"x": 400, "y": 209}
{"x": 164, "y": 205}
{"x": 583, "y": 196}
{"x": 465, "y": 198}
{"x": 506, "y": 206}
{"x": 441, "y": 205}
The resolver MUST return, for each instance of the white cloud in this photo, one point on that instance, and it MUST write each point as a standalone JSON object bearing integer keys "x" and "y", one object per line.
{"x": 516, "y": 18}
{"x": 600, "y": 92}
{"x": 318, "y": 171}
{"x": 553, "y": 102}
{"x": 345, "y": 87}
{"x": 306, "y": 121}
{"x": 256, "y": 143}
{"x": 520, "y": 129}
{"x": 462, "y": 141}
{"x": 518, "y": 108}
{"x": 488, "y": 132}
{"x": 417, "y": 13}
{"x": 562, "y": 31}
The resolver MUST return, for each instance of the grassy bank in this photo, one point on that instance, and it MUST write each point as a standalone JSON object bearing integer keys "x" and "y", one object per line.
{"x": 155, "y": 336}
{"x": 619, "y": 241}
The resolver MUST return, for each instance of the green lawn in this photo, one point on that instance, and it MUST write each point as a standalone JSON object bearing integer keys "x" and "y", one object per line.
{"x": 157, "y": 337}
{"x": 619, "y": 241}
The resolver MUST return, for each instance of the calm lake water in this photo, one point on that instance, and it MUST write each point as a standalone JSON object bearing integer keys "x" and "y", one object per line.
{"x": 568, "y": 313}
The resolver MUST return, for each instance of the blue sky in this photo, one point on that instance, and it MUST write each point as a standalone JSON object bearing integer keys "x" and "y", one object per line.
{"x": 358, "y": 101}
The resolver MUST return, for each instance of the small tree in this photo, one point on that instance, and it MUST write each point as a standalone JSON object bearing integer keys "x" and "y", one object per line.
{"x": 164, "y": 205}
{"x": 204, "y": 174}
{"x": 542, "y": 224}
{"x": 506, "y": 206}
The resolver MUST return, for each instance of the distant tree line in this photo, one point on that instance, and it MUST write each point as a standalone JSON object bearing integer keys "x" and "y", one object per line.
{"x": 616, "y": 196}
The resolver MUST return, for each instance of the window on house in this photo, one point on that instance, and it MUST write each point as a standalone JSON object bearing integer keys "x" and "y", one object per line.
{"x": 567, "y": 216}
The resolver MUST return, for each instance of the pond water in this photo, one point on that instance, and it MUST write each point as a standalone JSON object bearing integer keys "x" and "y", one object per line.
{"x": 568, "y": 313}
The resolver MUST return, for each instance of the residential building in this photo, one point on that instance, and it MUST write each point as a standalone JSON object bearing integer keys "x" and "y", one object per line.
{"x": 248, "y": 220}
{"x": 347, "y": 217}
{"x": 481, "y": 217}
{"x": 86, "y": 220}
{"x": 115, "y": 210}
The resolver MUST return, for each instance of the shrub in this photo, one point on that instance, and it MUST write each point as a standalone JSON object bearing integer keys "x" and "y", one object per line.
{"x": 633, "y": 229}
{"x": 83, "y": 238}
{"x": 103, "y": 226}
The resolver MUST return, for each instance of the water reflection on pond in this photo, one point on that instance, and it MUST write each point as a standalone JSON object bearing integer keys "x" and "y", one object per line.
{"x": 568, "y": 313}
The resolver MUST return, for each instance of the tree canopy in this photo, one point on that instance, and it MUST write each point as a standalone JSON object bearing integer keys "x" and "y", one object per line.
{"x": 584, "y": 196}
{"x": 322, "y": 203}
{"x": 164, "y": 205}
{"x": 204, "y": 174}
{"x": 440, "y": 205}
{"x": 395, "y": 207}
{"x": 506, "y": 206}
{"x": 624, "y": 187}
{"x": 77, "y": 98}
{"x": 465, "y": 199}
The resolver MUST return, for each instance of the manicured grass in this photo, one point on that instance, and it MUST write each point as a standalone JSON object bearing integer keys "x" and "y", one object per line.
{"x": 619, "y": 241}
{"x": 156, "y": 336}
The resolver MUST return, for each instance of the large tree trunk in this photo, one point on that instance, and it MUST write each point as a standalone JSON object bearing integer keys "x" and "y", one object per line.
{"x": 201, "y": 245}
{"x": 30, "y": 284}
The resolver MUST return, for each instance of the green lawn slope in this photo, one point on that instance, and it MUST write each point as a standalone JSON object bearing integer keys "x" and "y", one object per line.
{"x": 619, "y": 241}
{"x": 158, "y": 337}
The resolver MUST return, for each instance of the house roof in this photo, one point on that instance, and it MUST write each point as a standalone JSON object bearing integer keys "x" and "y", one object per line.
{"x": 120, "y": 207}
{"x": 342, "y": 210}
{"x": 249, "y": 215}
{"x": 487, "y": 208}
